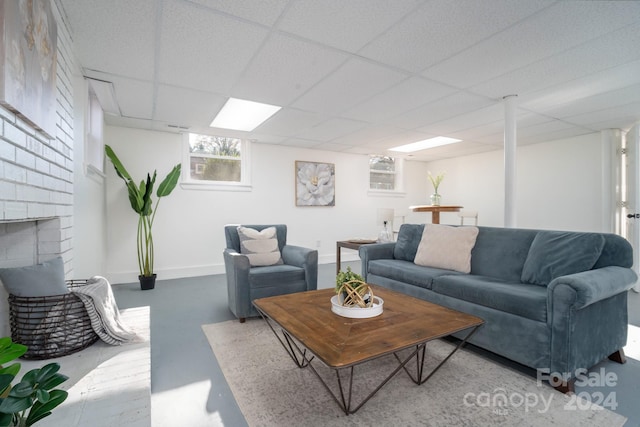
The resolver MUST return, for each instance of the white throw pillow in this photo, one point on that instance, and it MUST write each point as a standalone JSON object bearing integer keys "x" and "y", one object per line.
{"x": 261, "y": 247}
{"x": 447, "y": 247}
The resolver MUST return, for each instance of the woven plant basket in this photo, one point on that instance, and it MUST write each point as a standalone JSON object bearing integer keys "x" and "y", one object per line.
{"x": 355, "y": 292}
{"x": 51, "y": 326}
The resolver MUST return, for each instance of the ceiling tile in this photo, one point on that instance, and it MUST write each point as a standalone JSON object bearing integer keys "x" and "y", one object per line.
{"x": 331, "y": 129}
{"x": 490, "y": 114}
{"x": 204, "y": 50}
{"x": 289, "y": 122}
{"x": 566, "y": 24}
{"x": 442, "y": 109}
{"x": 186, "y": 107}
{"x": 134, "y": 97}
{"x": 579, "y": 93}
{"x": 264, "y": 11}
{"x": 351, "y": 84}
{"x": 346, "y": 25}
{"x": 622, "y": 117}
{"x": 367, "y": 74}
{"x": 609, "y": 51}
{"x": 441, "y": 28}
{"x": 301, "y": 143}
{"x": 368, "y": 135}
{"x": 118, "y": 40}
{"x": 284, "y": 69}
{"x": 398, "y": 99}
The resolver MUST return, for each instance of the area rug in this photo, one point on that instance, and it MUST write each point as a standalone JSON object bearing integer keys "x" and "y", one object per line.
{"x": 468, "y": 390}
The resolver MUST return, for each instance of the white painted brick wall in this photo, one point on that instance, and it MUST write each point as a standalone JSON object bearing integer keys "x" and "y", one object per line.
{"x": 36, "y": 179}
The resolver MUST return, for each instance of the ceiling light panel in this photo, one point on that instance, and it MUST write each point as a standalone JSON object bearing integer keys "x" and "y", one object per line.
{"x": 243, "y": 115}
{"x": 425, "y": 144}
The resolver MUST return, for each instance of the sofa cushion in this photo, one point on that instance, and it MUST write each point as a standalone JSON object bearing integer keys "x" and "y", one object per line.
{"x": 501, "y": 252}
{"x": 521, "y": 299}
{"x": 408, "y": 240}
{"x": 275, "y": 275}
{"x": 559, "y": 253}
{"x": 40, "y": 280}
{"x": 406, "y": 272}
{"x": 261, "y": 247}
{"x": 447, "y": 247}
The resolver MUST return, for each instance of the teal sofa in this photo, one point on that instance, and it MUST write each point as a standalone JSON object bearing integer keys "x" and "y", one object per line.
{"x": 553, "y": 301}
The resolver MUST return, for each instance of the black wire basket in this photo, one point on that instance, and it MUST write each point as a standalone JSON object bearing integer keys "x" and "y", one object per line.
{"x": 51, "y": 326}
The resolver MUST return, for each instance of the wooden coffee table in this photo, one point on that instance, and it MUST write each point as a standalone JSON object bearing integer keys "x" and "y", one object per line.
{"x": 307, "y": 328}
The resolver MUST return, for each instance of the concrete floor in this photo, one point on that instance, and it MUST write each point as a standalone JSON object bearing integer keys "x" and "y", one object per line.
{"x": 189, "y": 389}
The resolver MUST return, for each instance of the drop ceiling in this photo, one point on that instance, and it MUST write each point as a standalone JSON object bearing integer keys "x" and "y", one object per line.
{"x": 362, "y": 76}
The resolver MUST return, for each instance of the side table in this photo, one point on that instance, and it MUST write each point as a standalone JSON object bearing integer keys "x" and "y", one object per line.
{"x": 349, "y": 244}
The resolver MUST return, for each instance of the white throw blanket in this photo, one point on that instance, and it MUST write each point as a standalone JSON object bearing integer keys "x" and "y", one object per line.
{"x": 105, "y": 317}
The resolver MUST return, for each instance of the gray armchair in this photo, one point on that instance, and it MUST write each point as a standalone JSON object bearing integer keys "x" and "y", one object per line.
{"x": 298, "y": 273}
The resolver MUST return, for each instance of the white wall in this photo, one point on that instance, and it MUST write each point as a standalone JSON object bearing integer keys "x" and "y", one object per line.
{"x": 558, "y": 184}
{"x": 558, "y": 187}
{"x": 188, "y": 232}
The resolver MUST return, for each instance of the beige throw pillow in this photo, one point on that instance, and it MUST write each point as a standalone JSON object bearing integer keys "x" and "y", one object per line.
{"x": 261, "y": 247}
{"x": 447, "y": 247}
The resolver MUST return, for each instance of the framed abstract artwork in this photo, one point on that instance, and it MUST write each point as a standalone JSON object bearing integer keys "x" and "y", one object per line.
{"x": 28, "y": 60}
{"x": 315, "y": 184}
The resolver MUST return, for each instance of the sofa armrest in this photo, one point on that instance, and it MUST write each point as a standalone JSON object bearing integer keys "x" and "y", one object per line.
{"x": 304, "y": 258}
{"x": 587, "y": 287}
{"x": 376, "y": 251}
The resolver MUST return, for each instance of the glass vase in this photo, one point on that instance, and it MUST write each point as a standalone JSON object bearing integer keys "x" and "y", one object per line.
{"x": 435, "y": 199}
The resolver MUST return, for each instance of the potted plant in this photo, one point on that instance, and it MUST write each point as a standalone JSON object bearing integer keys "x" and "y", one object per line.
{"x": 352, "y": 290}
{"x": 435, "y": 181}
{"x": 142, "y": 203}
{"x": 34, "y": 397}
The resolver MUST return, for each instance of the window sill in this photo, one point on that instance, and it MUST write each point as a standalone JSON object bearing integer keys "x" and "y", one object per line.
{"x": 207, "y": 186}
{"x": 386, "y": 193}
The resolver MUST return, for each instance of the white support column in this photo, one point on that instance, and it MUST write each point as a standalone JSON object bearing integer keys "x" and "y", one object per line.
{"x": 510, "y": 160}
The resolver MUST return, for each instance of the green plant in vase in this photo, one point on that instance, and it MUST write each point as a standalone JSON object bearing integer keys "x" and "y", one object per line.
{"x": 34, "y": 397}
{"x": 140, "y": 197}
{"x": 435, "y": 181}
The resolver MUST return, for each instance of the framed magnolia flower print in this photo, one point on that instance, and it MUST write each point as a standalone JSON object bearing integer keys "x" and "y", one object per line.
{"x": 315, "y": 184}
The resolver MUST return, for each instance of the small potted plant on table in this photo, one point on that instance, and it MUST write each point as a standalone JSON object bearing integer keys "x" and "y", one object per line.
{"x": 352, "y": 290}
{"x": 354, "y": 297}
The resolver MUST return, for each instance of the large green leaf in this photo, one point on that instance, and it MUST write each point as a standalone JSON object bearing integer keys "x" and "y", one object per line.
{"x": 170, "y": 181}
{"x": 12, "y": 369}
{"x": 53, "y": 380}
{"x": 5, "y": 420}
{"x": 135, "y": 198}
{"x": 5, "y": 382}
{"x": 11, "y": 352}
{"x": 22, "y": 389}
{"x": 117, "y": 164}
{"x": 147, "y": 208}
{"x": 12, "y": 404}
{"x": 41, "y": 410}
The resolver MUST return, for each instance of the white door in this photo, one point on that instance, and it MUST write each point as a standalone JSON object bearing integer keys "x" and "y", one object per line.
{"x": 632, "y": 214}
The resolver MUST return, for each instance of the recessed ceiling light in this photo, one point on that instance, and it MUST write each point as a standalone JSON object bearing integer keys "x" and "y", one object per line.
{"x": 240, "y": 114}
{"x": 427, "y": 143}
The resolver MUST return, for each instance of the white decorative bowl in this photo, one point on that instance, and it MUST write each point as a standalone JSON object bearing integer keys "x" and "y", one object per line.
{"x": 357, "y": 312}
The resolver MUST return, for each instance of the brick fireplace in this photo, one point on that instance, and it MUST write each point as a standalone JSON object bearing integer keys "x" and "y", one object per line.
{"x": 36, "y": 180}
{"x": 24, "y": 243}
